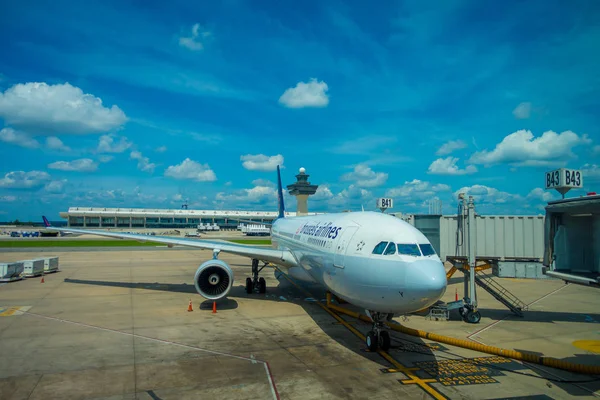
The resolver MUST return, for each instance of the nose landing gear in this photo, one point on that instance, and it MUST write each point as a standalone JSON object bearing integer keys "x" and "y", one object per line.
{"x": 469, "y": 314}
{"x": 256, "y": 284}
{"x": 378, "y": 337}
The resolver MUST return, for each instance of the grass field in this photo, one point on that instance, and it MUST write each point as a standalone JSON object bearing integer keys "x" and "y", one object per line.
{"x": 74, "y": 243}
{"x": 100, "y": 243}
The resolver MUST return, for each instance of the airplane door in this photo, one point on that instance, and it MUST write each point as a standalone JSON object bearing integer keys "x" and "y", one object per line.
{"x": 342, "y": 245}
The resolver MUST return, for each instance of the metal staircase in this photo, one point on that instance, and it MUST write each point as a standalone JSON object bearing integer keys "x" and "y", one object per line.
{"x": 500, "y": 293}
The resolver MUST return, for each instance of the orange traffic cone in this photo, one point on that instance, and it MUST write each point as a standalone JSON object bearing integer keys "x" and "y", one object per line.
{"x": 214, "y": 307}
{"x": 190, "y": 306}
{"x": 42, "y": 281}
{"x": 456, "y": 294}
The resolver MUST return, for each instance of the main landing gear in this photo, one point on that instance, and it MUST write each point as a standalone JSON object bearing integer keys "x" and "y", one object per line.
{"x": 256, "y": 284}
{"x": 378, "y": 338}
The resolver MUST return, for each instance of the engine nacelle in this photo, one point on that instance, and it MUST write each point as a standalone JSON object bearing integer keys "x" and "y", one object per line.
{"x": 213, "y": 279}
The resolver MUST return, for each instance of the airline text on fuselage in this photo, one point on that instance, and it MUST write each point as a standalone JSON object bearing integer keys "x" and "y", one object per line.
{"x": 323, "y": 231}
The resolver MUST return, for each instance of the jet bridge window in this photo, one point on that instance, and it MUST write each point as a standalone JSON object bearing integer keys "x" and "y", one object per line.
{"x": 409, "y": 249}
{"x": 427, "y": 249}
{"x": 380, "y": 248}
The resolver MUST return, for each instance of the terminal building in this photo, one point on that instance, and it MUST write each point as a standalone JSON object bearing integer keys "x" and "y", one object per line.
{"x": 96, "y": 217}
{"x": 99, "y": 217}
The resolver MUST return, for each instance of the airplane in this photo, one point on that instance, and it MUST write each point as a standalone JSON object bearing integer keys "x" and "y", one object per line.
{"x": 372, "y": 260}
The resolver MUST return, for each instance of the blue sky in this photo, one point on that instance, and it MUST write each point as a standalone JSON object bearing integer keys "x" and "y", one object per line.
{"x": 145, "y": 104}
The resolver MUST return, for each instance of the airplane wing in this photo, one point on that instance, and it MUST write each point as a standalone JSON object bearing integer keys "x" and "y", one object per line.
{"x": 280, "y": 257}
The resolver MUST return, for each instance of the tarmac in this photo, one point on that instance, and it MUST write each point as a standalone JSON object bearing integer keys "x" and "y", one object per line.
{"x": 114, "y": 324}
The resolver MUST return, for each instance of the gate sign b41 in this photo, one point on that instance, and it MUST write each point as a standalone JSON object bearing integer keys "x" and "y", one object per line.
{"x": 385, "y": 203}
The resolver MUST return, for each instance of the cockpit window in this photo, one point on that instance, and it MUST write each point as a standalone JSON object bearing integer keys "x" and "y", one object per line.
{"x": 391, "y": 249}
{"x": 380, "y": 248}
{"x": 427, "y": 249}
{"x": 409, "y": 249}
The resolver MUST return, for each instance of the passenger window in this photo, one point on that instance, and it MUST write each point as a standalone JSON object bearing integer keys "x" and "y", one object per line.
{"x": 380, "y": 248}
{"x": 427, "y": 249}
{"x": 391, "y": 249}
{"x": 409, "y": 249}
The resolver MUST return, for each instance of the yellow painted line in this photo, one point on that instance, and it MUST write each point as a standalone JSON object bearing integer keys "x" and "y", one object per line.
{"x": 7, "y": 312}
{"x": 15, "y": 310}
{"x": 413, "y": 379}
{"x": 450, "y": 273}
{"x": 392, "y": 370}
{"x": 593, "y": 346}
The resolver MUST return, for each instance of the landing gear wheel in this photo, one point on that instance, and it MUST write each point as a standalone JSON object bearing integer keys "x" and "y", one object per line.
{"x": 372, "y": 342}
{"x": 262, "y": 285}
{"x": 256, "y": 284}
{"x": 384, "y": 340}
{"x": 462, "y": 311}
{"x": 473, "y": 317}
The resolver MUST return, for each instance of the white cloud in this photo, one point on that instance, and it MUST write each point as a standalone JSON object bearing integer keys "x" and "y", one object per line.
{"x": 107, "y": 144}
{"x": 81, "y": 165}
{"x": 144, "y": 163}
{"x": 54, "y": 143}
{"x": 351, "y": 197}
{"x": 55, "y": 186}
{"x": 590, "y": 171}
{"x": 522, "y": 111}
{"x": 263, "y": 182}
{"x": 596, "y": 150}
{"x": 363, "y": 176}
{"x": 9, "y": 135}
{"x": 447, "y": 166}
{"x": 40, "y": 108}
{"x": 522, "y": 149}
{"x": 194, "y": 42}
{"x": 487, "y": 195}
{"x": 8, "y": 199}
{"x": 542, "y": 195}
{"x": 417, "y": 190}
{"x": 450, "y": 147}
{"x": 323, "y": 193}
{"x": 189, "y": 169}
{"x": 256, "y": 195}
{"x": 161, "y": 149}
{"x": 260, "y": 162}
{"x": 24, "y": 180}
{"x": 105, "y": 158}
{"x": 311, "y": 94}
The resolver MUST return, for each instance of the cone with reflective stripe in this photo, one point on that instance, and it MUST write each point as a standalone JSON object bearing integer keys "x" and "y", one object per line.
{"x": 190, "y": 306}
{"x": 214, "y": 307}
{"x": 456, "y": 294}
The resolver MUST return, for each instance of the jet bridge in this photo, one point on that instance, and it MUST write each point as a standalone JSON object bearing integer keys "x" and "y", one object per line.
{"x": 572, "y": 240}
{"x": 473, "y": 268}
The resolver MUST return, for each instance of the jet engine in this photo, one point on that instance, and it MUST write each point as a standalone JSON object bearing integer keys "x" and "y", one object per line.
{"x": 213, "y": 279}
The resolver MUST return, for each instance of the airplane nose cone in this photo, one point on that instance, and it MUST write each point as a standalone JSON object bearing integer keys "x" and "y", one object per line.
{"x": 428, "y": 278}
{"x": 435, "y": 280}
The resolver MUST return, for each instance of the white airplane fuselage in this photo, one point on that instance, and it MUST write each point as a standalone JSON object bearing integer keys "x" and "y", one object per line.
{"x": 336, "y": 250}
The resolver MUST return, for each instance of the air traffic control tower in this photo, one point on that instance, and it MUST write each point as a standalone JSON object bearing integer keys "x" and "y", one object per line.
{"x": 302, "y": 189}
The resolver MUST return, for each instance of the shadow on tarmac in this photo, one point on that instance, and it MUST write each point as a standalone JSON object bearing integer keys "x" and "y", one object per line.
{"x": 411, "y": 351}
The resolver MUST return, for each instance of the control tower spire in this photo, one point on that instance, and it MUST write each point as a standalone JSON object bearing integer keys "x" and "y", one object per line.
{"x": 302, "y": 189}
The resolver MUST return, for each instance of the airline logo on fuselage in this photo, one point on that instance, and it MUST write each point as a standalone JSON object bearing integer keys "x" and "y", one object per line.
{"x": 327, "y": 230}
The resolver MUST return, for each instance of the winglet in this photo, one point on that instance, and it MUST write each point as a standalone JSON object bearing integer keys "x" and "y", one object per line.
{"x": 280, "y": 195}
{"x": 46, "y": 222}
